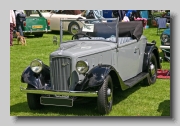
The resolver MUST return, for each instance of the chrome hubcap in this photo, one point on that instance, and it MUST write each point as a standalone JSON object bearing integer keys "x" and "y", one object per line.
{"x": 152, "y": 69}
{"x": 109, "y": 94}
{"x": 74, "y": 29}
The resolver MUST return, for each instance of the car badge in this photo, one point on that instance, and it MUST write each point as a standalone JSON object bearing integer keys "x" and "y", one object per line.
{"x": 60, "y": 53}
{"x": 65, "y": 64}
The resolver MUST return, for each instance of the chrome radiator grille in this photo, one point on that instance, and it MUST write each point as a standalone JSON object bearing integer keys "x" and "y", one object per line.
{"x": 60, "y": 68}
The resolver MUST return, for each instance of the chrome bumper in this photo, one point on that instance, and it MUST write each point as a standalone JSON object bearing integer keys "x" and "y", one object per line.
{"x": 65, "y": 93}
{"x": 165, "y": 47}
{"x": 41, "y": 31}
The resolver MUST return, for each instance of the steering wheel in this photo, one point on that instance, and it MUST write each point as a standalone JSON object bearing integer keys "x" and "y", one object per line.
{"x": 76, "y": 36}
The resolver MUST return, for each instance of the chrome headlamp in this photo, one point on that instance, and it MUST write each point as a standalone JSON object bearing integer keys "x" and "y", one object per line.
{"x": 36, "y": 66}
{"x": 82, "y": 67}
{"x": 164, "y": 38}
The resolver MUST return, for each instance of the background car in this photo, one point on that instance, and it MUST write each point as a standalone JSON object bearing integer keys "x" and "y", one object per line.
{"x": 103, "y": 57}
{"x": 165, "y": 43}
{"x": 54, "y": 16}
{"x": 35, "y": 25}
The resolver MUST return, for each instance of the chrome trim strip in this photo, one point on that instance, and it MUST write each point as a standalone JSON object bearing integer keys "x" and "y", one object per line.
{"x": 66, "y": 93}
{"x": 165, "y": 47}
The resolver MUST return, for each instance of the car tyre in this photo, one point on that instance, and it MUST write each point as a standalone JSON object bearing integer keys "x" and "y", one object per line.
{"x": 152, "y": 70}
{"x": 164, "y": 56}
{"x": 33, "y": 100}
{"x": 105, "y": 96}
{"x": 73, "y": 28}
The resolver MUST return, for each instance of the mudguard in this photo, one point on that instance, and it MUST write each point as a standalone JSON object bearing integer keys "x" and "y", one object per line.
{"x": 36, "y": 80}
{"x": 96, "y": 76}
{"x": 150, "y": 48}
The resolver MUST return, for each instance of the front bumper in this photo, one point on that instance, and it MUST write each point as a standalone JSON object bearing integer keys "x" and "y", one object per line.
{"x": 64, "y": 93}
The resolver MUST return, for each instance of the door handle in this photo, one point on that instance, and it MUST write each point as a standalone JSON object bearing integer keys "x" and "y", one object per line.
{"x": 135, "y": 50}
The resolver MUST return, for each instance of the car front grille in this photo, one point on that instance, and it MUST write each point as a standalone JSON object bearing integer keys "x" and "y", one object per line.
{"x": 60, "y": 68}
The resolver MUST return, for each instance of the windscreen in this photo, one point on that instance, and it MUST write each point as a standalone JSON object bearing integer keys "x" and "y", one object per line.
{"x": 91, "y": 29}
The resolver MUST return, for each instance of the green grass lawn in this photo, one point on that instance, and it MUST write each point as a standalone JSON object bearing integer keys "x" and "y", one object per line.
{"x": 140, "y": 100}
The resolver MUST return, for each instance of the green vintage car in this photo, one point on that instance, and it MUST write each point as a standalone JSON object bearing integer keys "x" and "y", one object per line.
{"x": 35, "y": 25}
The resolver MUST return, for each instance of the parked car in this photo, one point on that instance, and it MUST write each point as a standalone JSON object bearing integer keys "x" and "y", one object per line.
{"x": 35, "y": 25}
{"x": 104, "y": 56}
{"x": 165, "y": 43}
{"x": 54, "y": 17}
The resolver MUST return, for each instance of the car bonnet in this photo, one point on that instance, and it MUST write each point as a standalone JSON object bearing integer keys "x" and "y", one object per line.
{"x": 83, "y": 48}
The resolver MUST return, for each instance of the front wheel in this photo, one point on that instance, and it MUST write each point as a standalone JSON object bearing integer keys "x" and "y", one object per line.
{"x": 105, "y": 96}
{"x": 33, "y": 100}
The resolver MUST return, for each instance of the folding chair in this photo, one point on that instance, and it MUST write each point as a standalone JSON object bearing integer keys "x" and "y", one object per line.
{"x": 161, "y": 22}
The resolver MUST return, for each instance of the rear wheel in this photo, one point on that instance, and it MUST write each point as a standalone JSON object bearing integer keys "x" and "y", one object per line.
{"x": 33, "y": 100}
{"x": 152, "y": 70}
{"x": 73, "y": 28}
{"x": 105, "y": 96}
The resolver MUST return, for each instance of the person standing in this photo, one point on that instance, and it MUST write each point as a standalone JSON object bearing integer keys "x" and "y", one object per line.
{"x": 118, "y": 13}
{"x": 19, "y": 21}
{"x": 94, "y": 14}
{"x": 12, "y": 25}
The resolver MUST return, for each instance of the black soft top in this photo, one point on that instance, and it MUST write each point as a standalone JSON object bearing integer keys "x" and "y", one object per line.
{"x": 132, "y": 29}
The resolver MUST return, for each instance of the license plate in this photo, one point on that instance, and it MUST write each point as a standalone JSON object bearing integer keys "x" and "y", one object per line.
{"x": 37, "y": 26}
{"x": 56, "y": 101}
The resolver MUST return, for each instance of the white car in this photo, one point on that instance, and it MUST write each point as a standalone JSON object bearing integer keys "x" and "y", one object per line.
{"x": 54, "y": 18}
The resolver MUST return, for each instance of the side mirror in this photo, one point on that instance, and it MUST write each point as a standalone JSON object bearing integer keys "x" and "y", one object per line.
{"x": 55, "y": 40}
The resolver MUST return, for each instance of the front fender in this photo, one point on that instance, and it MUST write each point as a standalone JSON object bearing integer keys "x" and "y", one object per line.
{"x": 96, "y": 76}
{"x": 36, "y": 80}
{"x": 29, "y": 77}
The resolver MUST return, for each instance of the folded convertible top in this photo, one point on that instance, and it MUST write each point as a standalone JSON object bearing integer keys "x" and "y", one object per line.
{"x": 132, "y": 29}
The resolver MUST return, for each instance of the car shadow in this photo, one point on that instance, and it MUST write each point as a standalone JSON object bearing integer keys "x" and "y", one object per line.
{"x": 120, "y": 95}
{"x": 58, "y": 32}
{"x": 164, "y": 108}
{"x": 77, "y": 110}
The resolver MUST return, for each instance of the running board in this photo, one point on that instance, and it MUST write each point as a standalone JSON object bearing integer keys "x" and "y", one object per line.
{"x": 133, "y": 81}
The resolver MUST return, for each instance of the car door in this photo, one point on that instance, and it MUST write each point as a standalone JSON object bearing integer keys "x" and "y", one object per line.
{"x": 128, "y": 60}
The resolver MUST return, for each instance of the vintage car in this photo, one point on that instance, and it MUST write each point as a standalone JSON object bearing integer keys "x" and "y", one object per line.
{"x": 100, "y": 58}
{"x": 54, "y": 17}
{"x": 35, "y": 25}
{"x": 165, "y": 44}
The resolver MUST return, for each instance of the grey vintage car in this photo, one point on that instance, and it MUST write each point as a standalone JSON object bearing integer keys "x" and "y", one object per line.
{"x": 104, "y": 55}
